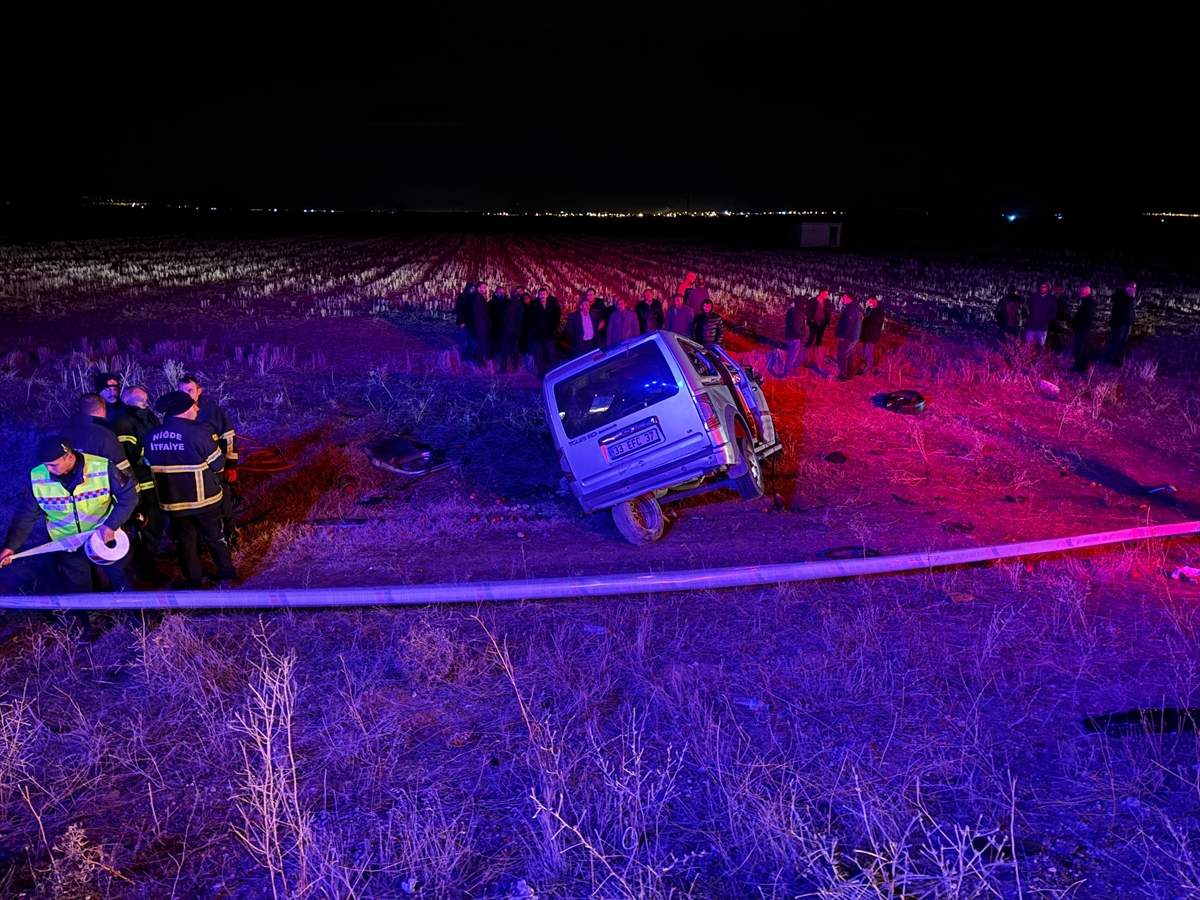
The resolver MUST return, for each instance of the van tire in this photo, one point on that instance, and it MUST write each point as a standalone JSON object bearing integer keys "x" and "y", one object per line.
{"x": 753, "y": 484}
{"x": 639, "y": 520}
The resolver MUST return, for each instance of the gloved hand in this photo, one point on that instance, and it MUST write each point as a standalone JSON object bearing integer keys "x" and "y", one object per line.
{"x": 231, "y": 475}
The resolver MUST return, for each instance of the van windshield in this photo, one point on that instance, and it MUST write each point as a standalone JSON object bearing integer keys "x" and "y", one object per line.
{"x": 623, "y": 383}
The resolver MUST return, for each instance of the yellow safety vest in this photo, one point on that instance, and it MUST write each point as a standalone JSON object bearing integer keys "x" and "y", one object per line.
{"x": 84, "y": 509}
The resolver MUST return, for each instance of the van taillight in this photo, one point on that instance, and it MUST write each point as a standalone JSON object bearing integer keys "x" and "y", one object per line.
{"x": 707, "y": 413}
{"x": 562, "y": 461}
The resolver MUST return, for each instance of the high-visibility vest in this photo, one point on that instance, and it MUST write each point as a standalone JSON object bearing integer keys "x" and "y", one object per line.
{"x": 83, "y": 509}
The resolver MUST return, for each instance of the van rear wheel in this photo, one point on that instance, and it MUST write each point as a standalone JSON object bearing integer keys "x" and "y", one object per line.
{"x": 753, "y": 484}
{"x": 639, "y": 520}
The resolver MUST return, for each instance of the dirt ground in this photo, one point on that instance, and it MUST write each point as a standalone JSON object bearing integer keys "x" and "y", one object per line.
{"x": 919, "y": 735}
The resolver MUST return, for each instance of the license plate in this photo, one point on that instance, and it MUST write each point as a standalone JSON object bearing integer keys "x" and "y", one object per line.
{"x": 617, "y": 449}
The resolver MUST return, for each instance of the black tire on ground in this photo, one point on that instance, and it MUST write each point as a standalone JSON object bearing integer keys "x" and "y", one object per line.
{"x": 908, "y": 403}
{"x": 753, "y": 484}
{"x": 639, "y": 520}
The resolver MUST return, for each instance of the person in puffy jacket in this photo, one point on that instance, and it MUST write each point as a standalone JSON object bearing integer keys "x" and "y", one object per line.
{"x": 872, "y": 331}
{"x": 1039, "y": 313}
{"x": 708, "y": 328}
{"x": 1082, "y": 324}
{"x": 848, "y": 331}
{"x": 1124, "y": 313}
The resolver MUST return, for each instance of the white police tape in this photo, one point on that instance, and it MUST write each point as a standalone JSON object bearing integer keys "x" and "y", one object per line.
{"x": 585, "y": 586}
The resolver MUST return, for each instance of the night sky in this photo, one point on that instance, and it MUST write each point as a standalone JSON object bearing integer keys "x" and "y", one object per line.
{"x": 635, "y": 108}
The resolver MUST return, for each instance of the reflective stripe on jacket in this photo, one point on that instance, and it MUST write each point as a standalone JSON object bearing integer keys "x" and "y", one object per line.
{"x": 185, "y": 460}
{"x": 83, "y": 509}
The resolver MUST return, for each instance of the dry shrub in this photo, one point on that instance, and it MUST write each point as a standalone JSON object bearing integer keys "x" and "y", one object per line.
{"x": 79, "y": 869}
{"x": 178, "y": 659}
{"x": 432, "y": 654}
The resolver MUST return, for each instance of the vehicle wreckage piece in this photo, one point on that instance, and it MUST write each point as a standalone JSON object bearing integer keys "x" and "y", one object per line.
{"x": 401, "y": 455}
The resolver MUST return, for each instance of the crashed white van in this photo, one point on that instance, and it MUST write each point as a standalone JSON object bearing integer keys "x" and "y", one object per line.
{"x": 657, "y": 418}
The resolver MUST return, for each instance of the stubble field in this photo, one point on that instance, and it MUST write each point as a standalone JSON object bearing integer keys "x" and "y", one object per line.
{"x": 918, "y": 735}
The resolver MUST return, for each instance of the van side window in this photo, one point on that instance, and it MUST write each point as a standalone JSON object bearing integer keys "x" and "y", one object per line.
{"x": 620, "y": 384}
{"x": 700, "y": 361}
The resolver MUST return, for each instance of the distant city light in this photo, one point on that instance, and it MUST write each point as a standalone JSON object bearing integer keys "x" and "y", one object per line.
{"x": 1168, "y": 215}
{"x": 1011, "y": 218}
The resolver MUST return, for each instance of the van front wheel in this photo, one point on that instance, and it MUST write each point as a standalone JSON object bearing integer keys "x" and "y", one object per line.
{"x": 752, "y": 485}
{"x": 639, "y": 520}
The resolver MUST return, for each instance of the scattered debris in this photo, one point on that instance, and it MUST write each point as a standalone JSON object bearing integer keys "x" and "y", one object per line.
{"x": 594, "y": 629}
{"x": 902, "y": 500}
{"x": 837, "y": 456}
{"x": 1188, "y": 574}
{"x": 1161, "y": 721}
{"x": 1049, "y": 387}
{"x": 1162, "y": 488}
{"x": 908, "y": 403}
{"x": 402, "y": 455}
{"x": 752, "y": 703}
{"x": 854, "y": 552}
{"x": 957, "y": 527}
{"x": 958, "y": 597}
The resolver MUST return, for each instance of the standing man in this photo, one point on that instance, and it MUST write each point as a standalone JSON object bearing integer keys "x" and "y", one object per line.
{"x": 481, "y": 326}
{"x": 708, "y": 328}
{"x": 817, "y": 315}
{"x": 1008, "y": 312}
{"x": 215, "y": 418}
{"x": 464, "y": 305}
{"x": 139, "y": 420}
{"x": 1124, "y": 313}
{"x": 510, "y": 330}
{"x": 695, "y": 296}
{"x": 108, "y": 386}
{"x": 793, "y": 336}
{"x": 650, "y": 312}
{"x": 1040, "y": 312}
{"x": 686, "y": 285}
{"x": 89, "y": 432}
{"x": 1082, "y": 324}
{"x": 872, "y": 330}
{"x": 848, "y": 331}
{"x": 583, "y": 328}
{"x": 622, "y": 323}
{"x": 76, "y": 493}
{"x": 525, "y": 344}
{"x": 496, "y": 308}
{"x": 679, "y": 317}
{"x": 187, "y": 466}
{"x": 543, "y": 331}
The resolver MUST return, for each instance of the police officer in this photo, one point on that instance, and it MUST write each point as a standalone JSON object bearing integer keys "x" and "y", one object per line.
{"x": 215, "y": 417}
{"x": 186, "y": 462}
{"x": 135, "y": 422}
{"x": 76, "y": 492}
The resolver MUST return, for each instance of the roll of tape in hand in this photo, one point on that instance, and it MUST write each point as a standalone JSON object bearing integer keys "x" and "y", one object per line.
{"x": 101, "y": 553}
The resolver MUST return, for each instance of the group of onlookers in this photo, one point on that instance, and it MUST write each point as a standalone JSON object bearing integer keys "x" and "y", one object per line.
{"x": 507, "y": 325}
{"x": 1045, "y": 315}
{"x": 804, "y": 331}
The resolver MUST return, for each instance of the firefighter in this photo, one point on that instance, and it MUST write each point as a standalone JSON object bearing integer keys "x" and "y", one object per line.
{"x": 187, "y": 463}
{"x": 136, "y": 421}
{"x": 214, "y": 416}
{"x": 76, "y": 492}
{"x": 89, "y": 431}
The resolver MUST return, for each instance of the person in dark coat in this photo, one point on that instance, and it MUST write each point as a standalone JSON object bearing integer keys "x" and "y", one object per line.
{"x": 543, "y": 331}
{"x": 848, "y": 331}
{"x": 708, "y": 328}
{"x": 817, "y": 315}
{"x": 1039, "y": 313}
{"x": 496, "y": 307}
{"x": 89, "y": 432}
{"x": 1124, "y": 313}
{"x": 583, "y": 328}
{"x": 481, "y": 326}
{"x": 622, "y": 323}
{"x": 651, "y": 316}
{"x": 148, "y": 523}
{"x": 793, "y": 335}
{"x": 695, "y": 296}
{"x": 524, "y": 343}
{"x": 511, "y": 326}
{"x": 1083, "y": 323}
{"x": 1008, "y": 312}
{"x": 108, "y": 386}
{"x": 463, "y": 317}
{"x": 679, "y": 317}
{"x": 872, "y": 330}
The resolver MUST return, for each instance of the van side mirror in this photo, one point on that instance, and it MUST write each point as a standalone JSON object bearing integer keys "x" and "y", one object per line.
{"x": 753, "y": 374}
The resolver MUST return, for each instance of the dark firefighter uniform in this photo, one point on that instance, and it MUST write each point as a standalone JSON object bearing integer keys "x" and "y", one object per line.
{"x": 90, "y": 495}
{"x": 132, "y": 425}
{"x": 186, "y": 463}
{"x": 214, "y": 416}
{"x": 91, "y": 434}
